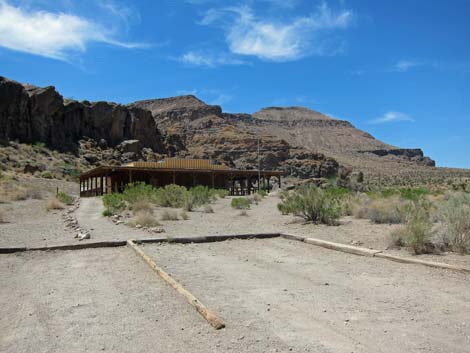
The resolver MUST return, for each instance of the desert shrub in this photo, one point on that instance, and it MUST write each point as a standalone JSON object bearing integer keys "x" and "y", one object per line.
{"x": 139, "y": 192}
{"x": 184, "y": 215}
{"x": 54, "y": 204}
{"x": 114, "y": 202}
{"x": 455, "y": 217}
{"x": 313, "y": 204}
{"x": 391, "y": 211}
{"x": 172, "y": 196}
{"x": 208, "y": 209}
{"x": 222, "y": 193}
{"x": 64, "y": 198}
{"x": 145, "y": 219}
{"x": 417, "y": 231}
{"x": 142, "y": 205}
{"x": 262, "y": 193}
{"x": 169, "y": 216}
{"x": 200, "y": 195}
{"x": 46, "y": 174}
{"x": 240, "y": 203}
{"x": 337, "y": 192}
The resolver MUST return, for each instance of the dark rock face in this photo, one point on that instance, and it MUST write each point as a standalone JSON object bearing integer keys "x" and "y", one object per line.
{"x": 33, "y": 114}
{"x": 412, "y": 154}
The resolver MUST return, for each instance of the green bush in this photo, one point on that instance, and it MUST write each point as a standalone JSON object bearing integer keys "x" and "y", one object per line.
{"x": 140, "y": 192}
{"x": 312, "y": 204}
{"x": 455, "y": 217}
{"x": 201, "y": 195}
{"x": 262, "y": 193}
{"x": 240, "y": 203}
{"x": 107, "y": 213}
{"x": 64, "y": 198}
{"x": 172, "y": 196}
{"x": 114, "y": 202}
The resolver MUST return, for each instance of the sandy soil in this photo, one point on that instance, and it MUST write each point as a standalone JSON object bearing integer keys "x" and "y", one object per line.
{"x": 317, "y": 300}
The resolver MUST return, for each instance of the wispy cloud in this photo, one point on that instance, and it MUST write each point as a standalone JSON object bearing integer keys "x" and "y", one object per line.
{"x": 405, "y": 65}
{"x": 198, "y": 58}
{"x": 53, "y": 35}
{"x": 210, "y": 96}
{"x": 392, "y": 116}
{"x": 273, "y": 40}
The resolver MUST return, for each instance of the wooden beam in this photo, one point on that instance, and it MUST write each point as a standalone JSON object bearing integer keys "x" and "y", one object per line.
{"x": 190, "y": 298}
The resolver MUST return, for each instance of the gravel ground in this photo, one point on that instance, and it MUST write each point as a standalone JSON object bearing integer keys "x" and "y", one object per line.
{"x": 316, "y": 300}
{"x": 105, "y": 300}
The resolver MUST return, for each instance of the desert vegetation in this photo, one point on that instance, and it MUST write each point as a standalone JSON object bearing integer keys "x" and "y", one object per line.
{"x": 312, "y": 204}
{"x": 142, "y": 199}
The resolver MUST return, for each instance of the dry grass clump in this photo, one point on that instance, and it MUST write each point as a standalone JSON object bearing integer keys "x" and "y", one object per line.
{"x": 243, "y": 213}
{"x": 142, "y": 205}
{"x": 184, "y": 216}
{"x": 169, "y": 216}
{"x": 391, "y": 210}
{"x": 417, "y": 231}
{"x": 455, "y": 217}
{"x": 208, "y": 209}
{"x": 54, "y": 204}
{"x": 145, "y": 219}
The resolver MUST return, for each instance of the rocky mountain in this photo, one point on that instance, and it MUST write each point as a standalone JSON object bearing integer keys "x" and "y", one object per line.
{"x": 301, "y": 141}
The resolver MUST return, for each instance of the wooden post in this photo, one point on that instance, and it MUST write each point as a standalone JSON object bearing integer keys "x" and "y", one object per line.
{"x": 174, "y": 177}
{"x": 279, "y": 181}
{"x": 87, "y": 186}
{"x": 213, "y": 180}
{"x": 267, "y": 178}
{"x": 101, "y": 185}
{"x": 130, "y": 176}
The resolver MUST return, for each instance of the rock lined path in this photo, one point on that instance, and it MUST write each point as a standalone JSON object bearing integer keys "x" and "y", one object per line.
{"x": 89, "y": 216}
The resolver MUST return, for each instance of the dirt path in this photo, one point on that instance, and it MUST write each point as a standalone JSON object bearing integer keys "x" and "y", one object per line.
{"x": 89, "y": 216}
{"x": 319, "y": 300}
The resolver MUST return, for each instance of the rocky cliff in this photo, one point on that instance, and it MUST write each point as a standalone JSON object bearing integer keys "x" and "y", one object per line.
{"x": 32, "y": 114}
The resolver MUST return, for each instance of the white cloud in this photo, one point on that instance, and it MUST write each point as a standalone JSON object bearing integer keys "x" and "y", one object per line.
{"x": 405, "y": 65}
{"x": 247, "y": 34}
{"x": 209, "y": 59}
{"x": 52, "y": 35}
{"x": 392, "y": 116}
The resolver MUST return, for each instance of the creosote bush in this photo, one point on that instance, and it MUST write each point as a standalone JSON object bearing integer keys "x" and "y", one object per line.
{"x": 391, "y": 210}
{"x": 142, "y": 205}
{"x": 208, "y": 209}
{"x": 240, "y": 203}
{"x": 312, "y": 204}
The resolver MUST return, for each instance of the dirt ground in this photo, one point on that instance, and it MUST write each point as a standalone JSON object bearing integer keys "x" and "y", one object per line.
{"x": 274, "y": 295}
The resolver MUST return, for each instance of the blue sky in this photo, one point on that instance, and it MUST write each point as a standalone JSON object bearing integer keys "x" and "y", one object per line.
{"x": 397, "y": 69}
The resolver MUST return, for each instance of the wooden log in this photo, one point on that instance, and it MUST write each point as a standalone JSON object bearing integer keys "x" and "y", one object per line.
{"x": 407, "y": 260}
{"x": 207, "y": 239}
{"x": 342, "y": 247}
{"x": 80, "y": 246}
{"x": 190, "y": 298}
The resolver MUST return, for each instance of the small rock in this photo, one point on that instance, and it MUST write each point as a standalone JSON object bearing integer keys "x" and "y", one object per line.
{"x": 84, "y": 236}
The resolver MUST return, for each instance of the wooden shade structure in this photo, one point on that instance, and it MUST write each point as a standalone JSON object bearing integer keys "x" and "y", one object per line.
{"x": 185, "y": 172}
